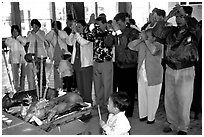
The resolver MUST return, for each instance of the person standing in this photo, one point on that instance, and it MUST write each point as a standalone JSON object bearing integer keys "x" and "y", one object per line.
{"x": 196, "y": 106}
{"x": 16, "y": 45}
{"x": 37, "y": 46}
{"x": 134, "y": 25}
{"x": 150, "y": 74}
{"x": 102, "y": 65}
{"x": 151, "y": 22}
{"x": 66, "y": 72}
{"x": 180, "y": 58}
{"x": 58, "y": 40}
{"x": 126, "y": 60}
{"x": 115, "y": 80}
{"x": 82, "y": 59}
{"x": 69, "y": 23}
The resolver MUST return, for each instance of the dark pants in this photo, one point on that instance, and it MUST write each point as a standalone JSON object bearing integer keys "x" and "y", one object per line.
{"x": 84, "y": 78}
{"x": 38, "y": 65}
{"x": 127, "y": 82}
{"x": 67, "y": 83}
{"x": 163, "y": 82}
{"x": 197, "y": 93}
{"x": 18, "y": 77}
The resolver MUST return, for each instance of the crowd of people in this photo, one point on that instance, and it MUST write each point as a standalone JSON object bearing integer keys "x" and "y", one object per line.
{"x": 121, "y": 61}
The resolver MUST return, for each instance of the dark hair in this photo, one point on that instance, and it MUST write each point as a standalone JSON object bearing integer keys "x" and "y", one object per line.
{"x": 120, "y": 100}
{"x": 121, "y": 16}
{"x": 188, "y": 10}
{"x": 82, "y": 22}
{"x": 69, "y": 17}
{"x": 154, "y": 10}
{"x": 102, "y": 15}
{"x": 36, "y": 22}
{"x": 16, "y": 27}
{"x": 102, "y": 19}
{"x": 110, "y": 22}
{"x": 160, "y": 12}
{"x": 58, "y": 23}
{"x": 132, "y": 21}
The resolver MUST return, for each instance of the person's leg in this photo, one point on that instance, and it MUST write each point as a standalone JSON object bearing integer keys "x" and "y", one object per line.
{"x": 64, "y": 83}
{"x": 87, "y": 79}
{"x": 79, "y": 82}
{"x": 115, "y": 78}
{"x": 107, "y": 79}
{"x": 22, "y": 78}
{"x": 44, "y": 74}
{"x": 15, "y": 72}
{"x": 131, "y": 89}
{"x": 69, "y": 83}
{"x": 142, "y": 98}
{"x": 128, "y": 84}
{"x": 30, "y": 76}
{"x": 57, "y": 79}
{"x": 196, "y": 106}
{"x": 170, "y": 100}
{"x": 153, "y": 95}
{"x": 38, "y": 64}
{"x": 74, "y": 83}
{"x": 184, "y": 93}
{"x": 98, "y": 84}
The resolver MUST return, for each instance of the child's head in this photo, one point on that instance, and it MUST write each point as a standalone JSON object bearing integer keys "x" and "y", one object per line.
{"x": 118, "y": 101}
{"x": 150, "y": 35}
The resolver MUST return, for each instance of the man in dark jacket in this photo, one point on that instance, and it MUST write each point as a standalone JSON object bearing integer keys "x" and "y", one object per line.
{"x": 126, "y": 60}
{"x": 180, "y": 58}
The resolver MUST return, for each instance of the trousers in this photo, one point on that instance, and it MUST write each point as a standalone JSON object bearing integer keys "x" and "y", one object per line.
{"x": 178, "y": 97}
{"x": 148, "y": 99}
{"x": 103, "y": 81}
{"x": 18, "y": 71}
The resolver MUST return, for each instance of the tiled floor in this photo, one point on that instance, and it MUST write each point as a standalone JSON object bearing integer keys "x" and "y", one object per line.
{"x": 138, "y": 128}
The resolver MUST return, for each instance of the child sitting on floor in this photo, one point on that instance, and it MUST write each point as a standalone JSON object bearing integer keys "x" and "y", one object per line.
{"x": 117, "y": 123}
{"x": 66, "y": 72}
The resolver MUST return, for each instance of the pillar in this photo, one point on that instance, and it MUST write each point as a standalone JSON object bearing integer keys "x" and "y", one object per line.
{"x": 76, "y": 9}
{"x": 15, "y": 14}
{"x": 125, "y": 7}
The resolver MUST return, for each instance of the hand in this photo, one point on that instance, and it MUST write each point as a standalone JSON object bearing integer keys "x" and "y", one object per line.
{"x": 143, "y": 35}
{"x": 115, "y": 25}
{"x": 102, "y": 123}
{"x": 73, "y": 27}
{"x": 173, "y": 12}
{"x": 177, "y": 6}
{"x": 32, "y": 32}
{"x": 19, "y": 39}
{"x": 181, "y": 11}
{"x": 92, "y": 18}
